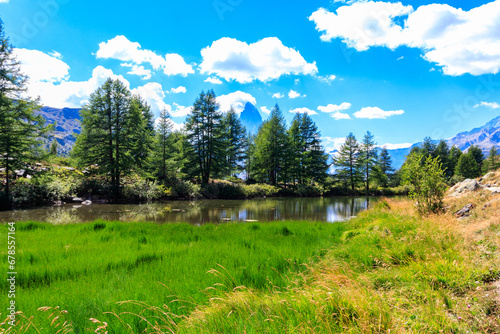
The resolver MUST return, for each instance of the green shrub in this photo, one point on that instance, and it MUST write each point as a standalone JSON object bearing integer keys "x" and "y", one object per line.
{"x": 223, "y": 190}
{"x": 260, "y": 190}
{"x": 139, "y": 189}
{"x": 185, "y": 189}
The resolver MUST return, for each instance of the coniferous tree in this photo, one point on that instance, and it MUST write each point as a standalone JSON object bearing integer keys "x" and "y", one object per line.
{"x": 163, "y": 145}
{"x": 53, "y": 148}
{"x": 492, "y": 159}
{"x": 428, "y": 148}
{"x": 467, "y": 166}
{"x": 347, "y": 162}
{"x": 112, "y": 124}
{"x": 295, "y": 146}
{"x": 21, "y": 130}
{"x": 368, "y": 158}
{"x": 313, "y": 157}
{"x": 453, "y": 158}
{"x": 478, "y": 155}
{"x": 204, "y": 132}
{"x": 235, "y": 143}
{"x": 442, "y": 152}
{"x": 384, "y": 168}
{"x": 270, "y": 146}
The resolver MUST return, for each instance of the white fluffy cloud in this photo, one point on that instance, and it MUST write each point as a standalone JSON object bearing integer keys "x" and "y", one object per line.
{"x": 214, "y": 80}
{"x": 459, "y": 41}
{"x": 265, "y": 110}
{"x": 335, "y": 110}
{"x": 237, "y": 100}
{"x": 333, "y": 107}
{"x": 139, "y": 71}
{"x": 278, "y": 95}
{"x": 41, "y": 67}
{"x": 178, "y": 90}
{"x": 491, "y": 105}
{"x": 376, "y": 112}
{"x": 153, "y": 93}
{"x": 293, "y": 94}
{"x": 303, "y": 111}
{"x": 49, "y": 79}
{"x": 180, "y": 111}
{"x": 122, "y": 49}
{"x": 265, "y": 60}
{"x": 326, "y": 79}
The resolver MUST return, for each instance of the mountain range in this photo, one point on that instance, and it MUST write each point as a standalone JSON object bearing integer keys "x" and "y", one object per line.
{"x": 485, "y": 137}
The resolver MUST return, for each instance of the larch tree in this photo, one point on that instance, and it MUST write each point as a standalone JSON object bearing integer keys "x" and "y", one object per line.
{"x": 113, "y": 124}
{"x": 368, "y": 158}
{"x": 270, "y": 145}
{"x": 235, "y": 140}
{"x": 21, "y": 130}
{"x": 204, "y": 132}
{"x": 347, "y": 162}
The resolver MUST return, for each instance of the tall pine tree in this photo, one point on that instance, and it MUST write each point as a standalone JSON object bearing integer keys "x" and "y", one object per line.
{"x": 347, "y": 162}
{"x": 204, "y": 132}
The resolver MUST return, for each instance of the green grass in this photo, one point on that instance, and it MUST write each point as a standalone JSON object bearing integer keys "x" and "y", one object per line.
{"x": 86, "y": 269}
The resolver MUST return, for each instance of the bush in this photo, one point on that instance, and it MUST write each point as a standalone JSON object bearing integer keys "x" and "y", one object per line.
{"x": 223, "y": 190}
{"x": 260, "y": 190}
{"x": 425, "y": 177}
{"x": 139, "y": 189}
{"x": 185, "y": 189}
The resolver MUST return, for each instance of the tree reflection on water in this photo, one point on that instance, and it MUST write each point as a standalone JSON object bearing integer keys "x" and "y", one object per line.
{"x": 331, "y": 209}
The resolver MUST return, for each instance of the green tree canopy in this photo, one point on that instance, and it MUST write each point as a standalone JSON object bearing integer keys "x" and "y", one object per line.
{"x": 347, "y": 162}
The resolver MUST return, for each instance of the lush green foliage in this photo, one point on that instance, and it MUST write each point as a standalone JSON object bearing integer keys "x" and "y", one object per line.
{"x": 117, "y": 133}
{"x": 21, "y": 130}
{"x": 426, "y": 180}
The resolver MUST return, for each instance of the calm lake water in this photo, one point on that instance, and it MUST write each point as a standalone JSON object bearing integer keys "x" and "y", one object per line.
{"x": 331, "y": 209}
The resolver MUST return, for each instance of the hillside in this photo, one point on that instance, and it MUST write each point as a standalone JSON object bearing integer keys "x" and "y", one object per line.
{"x": 67, "y": 125}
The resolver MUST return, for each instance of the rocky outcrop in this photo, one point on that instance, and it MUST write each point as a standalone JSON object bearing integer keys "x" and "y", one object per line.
{"x": 464, "y": 187}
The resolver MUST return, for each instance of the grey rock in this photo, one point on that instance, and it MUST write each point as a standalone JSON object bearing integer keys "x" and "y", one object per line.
{"x": 465, "y": 211}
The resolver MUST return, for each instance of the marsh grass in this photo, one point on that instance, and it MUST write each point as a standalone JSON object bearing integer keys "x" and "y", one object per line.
{"x": 88, "y": 269}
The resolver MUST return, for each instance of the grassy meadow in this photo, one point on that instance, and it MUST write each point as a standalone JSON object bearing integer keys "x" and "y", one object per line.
{"x": 386, "y": 271}
{"x": 85, "y": 269}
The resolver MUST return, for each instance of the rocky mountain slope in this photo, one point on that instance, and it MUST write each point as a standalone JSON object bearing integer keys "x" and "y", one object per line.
{"x": 67, "y": 126}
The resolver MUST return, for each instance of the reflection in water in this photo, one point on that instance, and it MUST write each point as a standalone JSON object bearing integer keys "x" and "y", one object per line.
{"x": 330, "y": 209}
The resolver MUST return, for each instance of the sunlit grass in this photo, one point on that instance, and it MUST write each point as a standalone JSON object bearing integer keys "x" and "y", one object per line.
{"x": 86, "y": 269}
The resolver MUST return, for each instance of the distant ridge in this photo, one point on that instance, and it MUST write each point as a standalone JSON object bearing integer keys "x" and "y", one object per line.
{"x": 485, "y": 137}
{"x": 68, "y": 125}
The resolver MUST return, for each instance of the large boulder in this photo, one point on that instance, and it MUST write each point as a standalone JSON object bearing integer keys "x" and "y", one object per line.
{"x": 465, "y": 187}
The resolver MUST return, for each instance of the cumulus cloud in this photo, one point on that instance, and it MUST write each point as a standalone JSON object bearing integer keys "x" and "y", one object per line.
{"x": 303, "y": 111}
{"x": 326, "y": 79}
{"x": 178, "y": 90}
{"x": 214, "y": 80}
{"x": 459, "y": 41}
{"x": 180, "y": 111}
{"x": 145, "y": 74}
{"x": 153, "y": 93}
{"x": 265, "y": 60}
{"x": 333, "y": 107}
{"x": 237, "y": 100}
{"x": 41, "y": 67}
{"x": 293, "y": 94}
{"x": 278, "y": 95}
{"x": 49, "y": 79}
{"x": 491, "y": 105}
{"x": 265, "y": 110}
{"x": 122, "y": 49}
{"x": 376, "y": 113}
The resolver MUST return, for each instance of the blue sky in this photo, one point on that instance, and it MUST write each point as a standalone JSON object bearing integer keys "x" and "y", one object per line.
{"x": 402, "y": 70}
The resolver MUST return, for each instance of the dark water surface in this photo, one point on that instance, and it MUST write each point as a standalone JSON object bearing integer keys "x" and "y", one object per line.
{"x": 331, "y": 209}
